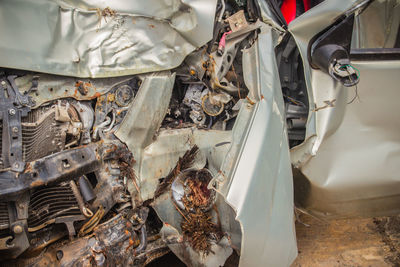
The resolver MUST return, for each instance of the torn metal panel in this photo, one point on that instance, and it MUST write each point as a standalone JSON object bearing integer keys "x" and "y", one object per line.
{"x": 354, "y": 172}
{"x": 81, "y": 39}
{"x": 159, "y": 158}
{"x": 258, "y": 183}
{"x": 146, "y": 111}
{"x": 145, "y": 115}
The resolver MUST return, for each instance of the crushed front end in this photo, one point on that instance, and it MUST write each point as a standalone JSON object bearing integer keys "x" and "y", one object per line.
{"x": 156, "y": 133}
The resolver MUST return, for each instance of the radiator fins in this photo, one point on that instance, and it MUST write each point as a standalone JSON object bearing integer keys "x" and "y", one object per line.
{"x": 4, "y": 219}
{"x": 49, "y": 203}
{"x": 41, "y": 135}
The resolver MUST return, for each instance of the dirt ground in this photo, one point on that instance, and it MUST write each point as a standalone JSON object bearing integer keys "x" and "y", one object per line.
{"x": 355, "y": 242}
{"x": 371, "y": 242}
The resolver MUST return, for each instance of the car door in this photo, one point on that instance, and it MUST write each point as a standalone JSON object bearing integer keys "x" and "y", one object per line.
{"x": 348, "y": 163}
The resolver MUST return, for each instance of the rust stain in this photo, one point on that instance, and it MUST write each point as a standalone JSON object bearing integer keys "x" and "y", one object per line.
{"x": 113, "y": 148}
{"x": 108, "y": 12}
{"x": 38, "y": 182}
{"x": 152, "y": 26}
{"x": 250, "y": 101}
{"x": 28, "y": 168}
{"x": 110, "y": 97}
{"x": 96, "y": 95}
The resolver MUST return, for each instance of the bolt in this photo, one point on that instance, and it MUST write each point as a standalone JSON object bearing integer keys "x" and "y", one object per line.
{"x": 66, "y": 164}
{"x": 11, "y": 112}
{"x": 17, "y": 229}
{"x": 3, "y": 83}
{"x": 15, "y": 129}
{"x": 59, "y": 254}
{"x": 193, "y": 72}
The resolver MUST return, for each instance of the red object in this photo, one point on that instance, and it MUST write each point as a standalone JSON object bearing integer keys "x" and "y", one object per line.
{"x": 306, "y": 4}
{"x": 221, "y": 44}
{"x": 288, "y": 9}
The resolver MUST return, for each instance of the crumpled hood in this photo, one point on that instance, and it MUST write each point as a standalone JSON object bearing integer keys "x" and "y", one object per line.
{"x": 102, "y": 38}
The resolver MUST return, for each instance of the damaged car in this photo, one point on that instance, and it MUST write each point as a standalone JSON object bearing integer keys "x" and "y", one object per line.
{"x": 130, "y": 129}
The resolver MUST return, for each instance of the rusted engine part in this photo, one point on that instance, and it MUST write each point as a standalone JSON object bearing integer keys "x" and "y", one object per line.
{"x": 53, "y": 87}
{"x": 53, "y": 168}
{"x": 235, "y": 34}
{"x": 55, "y": 204}
{"x": 113, "y": 178}
{"x": 13, "y": 106}
{"x": 112, "y": 107}
{"x": 199, "y": 107}
{"x": 115, "y": 242}
{"x": 219, "y": 65}
{"x": 209, "y": 87}
{"x": 50, "y": 129}
{"x": 13, "y": 235}
{"x": 57, "y": 167}
{"x": 109, "y": 190}
{"x": 79, "y": 199}
{"x": 51, "y": 203}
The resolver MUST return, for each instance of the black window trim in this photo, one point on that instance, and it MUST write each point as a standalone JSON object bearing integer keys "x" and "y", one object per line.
{"x": 375, "y": 54}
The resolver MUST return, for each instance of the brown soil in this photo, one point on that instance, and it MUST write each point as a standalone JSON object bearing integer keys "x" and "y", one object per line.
{"x": 353, "y": 242}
